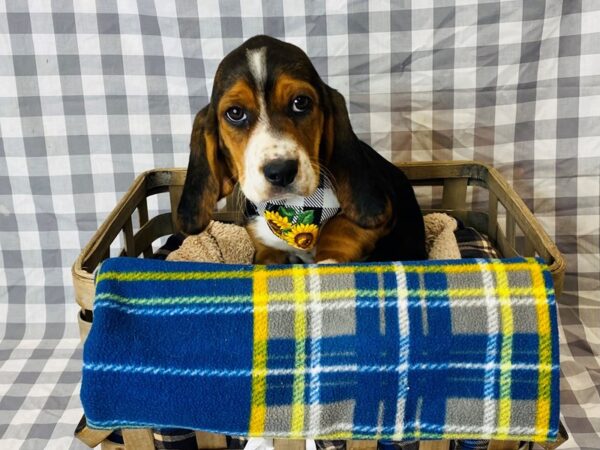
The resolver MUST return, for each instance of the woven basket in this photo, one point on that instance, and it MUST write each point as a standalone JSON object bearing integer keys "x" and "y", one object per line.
{"x": 472, "y": 192}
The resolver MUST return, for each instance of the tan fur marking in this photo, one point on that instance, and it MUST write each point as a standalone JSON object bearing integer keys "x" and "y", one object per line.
{"x": 239, "y": 94}
{"x": 265, "y": 254}
{"x": 307, "y": 132}
{"x": 218, "y": 167}
{"x": 287, "y": 87}
{"x": 236, "y": 139}
{"x": 344, "y": 241}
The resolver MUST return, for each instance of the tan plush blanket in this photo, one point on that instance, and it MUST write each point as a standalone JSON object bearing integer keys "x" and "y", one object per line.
{"x": 231, "y": 244}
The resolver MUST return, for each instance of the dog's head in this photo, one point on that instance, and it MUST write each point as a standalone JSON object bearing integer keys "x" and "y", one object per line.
{"x": 271, "y": 124}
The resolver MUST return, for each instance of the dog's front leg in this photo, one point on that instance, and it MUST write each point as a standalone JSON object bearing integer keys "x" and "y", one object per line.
{"x": 342, "y": 240}
{"x": 268, "y": 255}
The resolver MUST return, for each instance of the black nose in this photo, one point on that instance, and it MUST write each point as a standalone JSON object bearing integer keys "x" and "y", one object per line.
{"x": 281, "y": 172}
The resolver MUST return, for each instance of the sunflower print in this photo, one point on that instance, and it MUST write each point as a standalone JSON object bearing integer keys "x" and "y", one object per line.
{"x": 302, "y": 236}
{"x": 277, "y": 223}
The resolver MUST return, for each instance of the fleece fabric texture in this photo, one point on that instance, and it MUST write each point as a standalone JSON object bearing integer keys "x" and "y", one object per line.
{"x": 423, "y": 350}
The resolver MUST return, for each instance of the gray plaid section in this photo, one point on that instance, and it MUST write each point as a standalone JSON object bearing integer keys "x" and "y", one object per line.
{"x": 93, "y": 94}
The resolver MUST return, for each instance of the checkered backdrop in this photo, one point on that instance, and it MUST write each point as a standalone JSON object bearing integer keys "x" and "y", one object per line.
{"x": 93, "y": 94}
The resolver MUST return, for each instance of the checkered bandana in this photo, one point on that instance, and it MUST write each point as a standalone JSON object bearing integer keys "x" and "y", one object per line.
{"x": 298, "y": 221}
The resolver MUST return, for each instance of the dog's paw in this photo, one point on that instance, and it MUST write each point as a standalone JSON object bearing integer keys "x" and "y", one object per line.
{"x": 328, "y": 261}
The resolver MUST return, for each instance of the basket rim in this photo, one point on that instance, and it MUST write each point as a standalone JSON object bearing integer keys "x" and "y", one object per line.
{"x": 468, "y": 169}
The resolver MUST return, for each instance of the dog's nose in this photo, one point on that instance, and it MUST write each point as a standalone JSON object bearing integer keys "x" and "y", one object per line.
{"x": 281, "y": 172}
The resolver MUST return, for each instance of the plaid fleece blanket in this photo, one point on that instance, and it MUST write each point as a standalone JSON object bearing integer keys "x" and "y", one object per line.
{"x": 427, "y": 350}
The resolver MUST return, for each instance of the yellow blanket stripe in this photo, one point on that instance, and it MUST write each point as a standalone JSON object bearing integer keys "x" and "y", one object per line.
{"x": 300, "y": 357}
{"x": 180, "y": 300}
{"x": 504, "y": 409}
{"x": 174, "y": 276}
{"x": 276, "y": 272}
{"x": 338, "y": 294}
{"x": 258, "y": 409}
{"x": 542, "y": 420}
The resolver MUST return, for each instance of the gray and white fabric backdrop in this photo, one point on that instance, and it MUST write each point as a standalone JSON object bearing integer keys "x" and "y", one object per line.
{"x": 92, "y": 94}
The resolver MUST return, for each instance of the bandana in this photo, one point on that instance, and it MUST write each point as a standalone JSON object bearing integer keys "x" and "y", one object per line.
{"x": 298, "y": 221}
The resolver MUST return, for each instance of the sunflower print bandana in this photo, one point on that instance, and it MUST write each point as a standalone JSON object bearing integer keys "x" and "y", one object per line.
{"x": 298, "y": 221}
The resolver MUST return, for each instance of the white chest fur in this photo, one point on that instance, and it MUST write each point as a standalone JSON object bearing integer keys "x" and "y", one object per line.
{"x": 263, "y": 233}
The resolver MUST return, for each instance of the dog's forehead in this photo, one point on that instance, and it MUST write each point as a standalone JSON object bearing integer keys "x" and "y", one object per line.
{"x": 259, "y": 61}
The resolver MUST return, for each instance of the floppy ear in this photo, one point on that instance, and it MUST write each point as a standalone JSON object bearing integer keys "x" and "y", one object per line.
{"x": 360, "y": 172}
{"x": 208, "y": 177}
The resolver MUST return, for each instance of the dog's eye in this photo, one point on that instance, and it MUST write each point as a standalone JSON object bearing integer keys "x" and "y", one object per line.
{"x": 236, "y": 115}
{"x": 301, "y": 104}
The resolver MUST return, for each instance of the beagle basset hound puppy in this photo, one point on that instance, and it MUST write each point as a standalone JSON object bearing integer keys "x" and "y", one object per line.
{"x": 316, "y": 192}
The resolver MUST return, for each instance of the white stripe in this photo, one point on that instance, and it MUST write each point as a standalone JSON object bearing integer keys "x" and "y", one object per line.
{"x": 417, "y": 423}
{"x": 380, "y": 413}
{"x": 423, "y": 294}
{"x": 351, "y": 304}
{"x": 316, "y": 332}
{"x": 403, "y": 328}
{"x": 328, "y": 305}
{"x": 346, "y": 368}
{"x": 382, "y": 301}
{"x": 236, "y": 301}
{"x": 257, "y": 61}
{"x": 493, "y": 326}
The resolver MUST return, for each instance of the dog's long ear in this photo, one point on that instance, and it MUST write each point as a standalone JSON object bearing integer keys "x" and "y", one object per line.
{"x": 208, "y": 177}
{"x": 359, "y": 171}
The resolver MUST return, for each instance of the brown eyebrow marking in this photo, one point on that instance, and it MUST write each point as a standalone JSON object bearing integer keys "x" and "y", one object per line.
{"x": 239, "y": 94}
{"x": 287, "y": 86}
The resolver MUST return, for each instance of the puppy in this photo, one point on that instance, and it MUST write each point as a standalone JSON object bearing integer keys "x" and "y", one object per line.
{"x": 315, "y": 191}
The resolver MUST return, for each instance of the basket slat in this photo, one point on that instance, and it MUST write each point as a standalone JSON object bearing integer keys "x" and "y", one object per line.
{"x": 510, "y": 230}
{"x": 155, "y": 228}
{"x": 206, "y": 440}
{"x": 89, "y": 436}
{"x": 174, "y": 195}
{"x": 455, "y": 194}
{"x": 492, "y": 216}
{"x": 503, "y": 445}
{"x": 108, "y": 445}
{"x": 129, "y": 241}
{"x": 289, "y": 444}
{"x": 506, "y": 248}
{"x": 138, "y": 439}
{"x": 361, "y": 445}
{"x": 434, "y": 445}
{"x": 113, "y": 225}
{"x": 528, "y": 249}
{"x": 143, "y": 215}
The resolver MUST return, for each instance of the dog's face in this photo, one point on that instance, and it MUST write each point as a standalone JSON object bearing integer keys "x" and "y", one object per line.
{"x": 268, "y": 102}
{"x": 273, "y": 126}
{"x": 270, "y": 120}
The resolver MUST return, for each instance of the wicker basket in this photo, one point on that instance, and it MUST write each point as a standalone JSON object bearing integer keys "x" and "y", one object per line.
{"x": 496, "y": 210}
